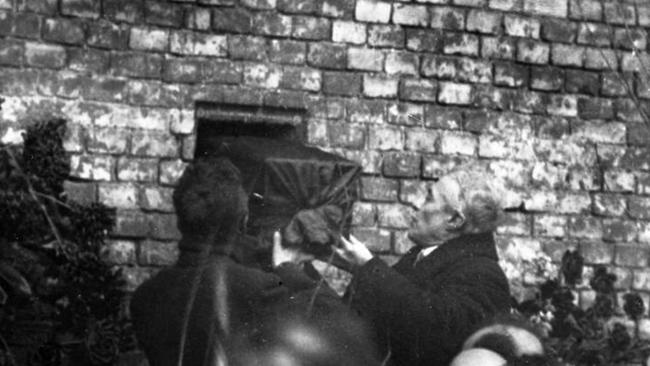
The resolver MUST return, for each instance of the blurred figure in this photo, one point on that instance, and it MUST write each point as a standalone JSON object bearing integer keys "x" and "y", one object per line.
{"x": 209, "y": 309}
{"x": 478, "y": 357}
{"x": 424, "y": 307}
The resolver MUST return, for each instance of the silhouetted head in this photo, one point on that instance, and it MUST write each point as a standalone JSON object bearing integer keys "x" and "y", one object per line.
{"x": 210, "y": 202}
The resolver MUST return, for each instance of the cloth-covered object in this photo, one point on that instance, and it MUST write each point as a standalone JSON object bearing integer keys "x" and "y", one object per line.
{"x": 228, "y": 306}
{"x": 284, "y": 177}
{"x": 313, "y": 230}
{"x": 423, "y": 312}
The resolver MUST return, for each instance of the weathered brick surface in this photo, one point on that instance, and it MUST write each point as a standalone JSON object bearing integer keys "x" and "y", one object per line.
{"x": 538, "y": 91}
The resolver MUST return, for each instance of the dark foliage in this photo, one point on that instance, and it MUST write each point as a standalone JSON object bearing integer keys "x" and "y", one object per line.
{"x": 603, "y": 282}
{"x": 61, "y": 303}
{"x": 572, "y": 264}
{"x": 633, "y": 306}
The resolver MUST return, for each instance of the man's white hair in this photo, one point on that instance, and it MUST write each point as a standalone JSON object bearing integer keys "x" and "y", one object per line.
{"x": 480, "y": 198}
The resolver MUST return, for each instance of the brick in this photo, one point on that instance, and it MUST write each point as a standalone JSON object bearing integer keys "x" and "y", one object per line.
{"x": 298, "y": 6}
{"x": 401, "y": 164}
{"x": 384, "y": 36}
{"x": 365, "y": 59}
{"x": 644, "y": 232}
{"x": 441, "y": 67}
{"x": 171, "y": 171}
{"x": 406, "y": 114}
{"x": 447, "y": 18}
{"x": 106, "y": 89}
{"x": 585, "y": 227}
{"x": 129, "y": 223}
{"x": 643, "y": 12}
{"x": 563, "y": 105}
{"x": 240, "y": 47}
{"x": 461, "y": 44}
{"x": 124, "y": 10}
{"x": 326, "y": 108}
{"x": 341, "y": 83}
{"x": 236, "y": 20}
{"x": 415, "y": 15}
{"x": 12, "y": 52}
{"x": 616, "y": 230}
{"x": 474, "y": 71}
{"x": 157, "y": 198}
{"x": 379, "y": 86}
{"x": 199, "y": 44}
{"x": 379, "y": 189}
{"x": 189, "y": 147}
{"x": 546, "y": 78}
{"x": 348, "y": 32}
{"x": 454, "y": 143}
{"x": 502, "y": 48}
{"x": 554, "y": 8}
{"x": 532, "y": 52}
{"x": 638, "y": 134}
{"x": 639, "y": 207}
{"x": 549, "y": 176}
{"x": 311, "y": 28}
{"x": 398, "y": 62}
{"x": 286, "y": 51}
{"x": 515, "y": 224}
{"x": 108, "y": 140}
{"x": 549, "y": 225}
{"x": 163, "y": 14}
{"x": 608, "y": 205}
{"x": 421, "y": 140}
{"x": 364, "y": 214}
{"x": 627, "y": 110}
{"x": 272, "y": 24}
{"x": 631, "y": 256}
{"x": 25, "y": 25}
{"x": 442, "y": 117}
{"x": 506, "y": 5}
{"x": 301, "y": 79}
{"x": 436, "y": 166}
{"x": 261, "y": 75}
{"x": 594, "y": 34}
{"x": 156, "y": 253}
{"x": 44, "y": 55}
{"x": 635, "y": 62}
{"x": 260, "y": 4}
{"x": 423, "y": 40}
{"x": 386, "y": 138}
{"x": 153, "y": 144}
{"x": 630, "y": 39}
{"x": 600, "y": 132}
{"x": 81, "y": 8}
{"x": 347, "y": 136}
{"x": 600, "y": 59}
{"x": 418, "y": 90}
{"x": 147, "y": 39}
{"x": 585, "y": 10}
{"x": 197, "y": 18}
{"x": 510, "y": 75}
{"x": 105, "y": 34}
{"x": 595, "y": 108}
{"x": 136, "y": 64}
{"x": 582, "y": 82}
{"x": 613, "y": 84}
{"x": 597, "y": 253}
{"x": 618, "y": 13}
{"x": 118, "y": 252}
{"x": 119, "y": 195}
{"x": 453, "y": 93}
{"x": 377, "y": 240}
{"x": 414, "y": 192}
{"x": 337, "y": 8}
{"x": 579, "y": 203}
{"x": 36, "y": 6}
{"x": 327, "y": 55}
{"x": 483, "y": 21}
{"x": 394, "y": 216}
{"x": 521, "y": 27}
{"x": 370, "y": 161}
{"x": 137, "y": 169}
{"x": 641, "y": 279}
{"x": 372, "y": 11}
{"x": 63, "y": 31}
{"x": 556, "y": 30}
{"x": 81, "y": 192}
{"x": 163, "y": 226}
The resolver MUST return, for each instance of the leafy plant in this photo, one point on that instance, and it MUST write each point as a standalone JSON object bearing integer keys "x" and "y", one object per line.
{"x": 59, "y": 302}
{"x": 599, "y": 335}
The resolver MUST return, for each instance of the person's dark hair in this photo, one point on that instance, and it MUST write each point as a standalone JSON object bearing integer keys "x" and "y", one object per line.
{"x": 210, "y": 201}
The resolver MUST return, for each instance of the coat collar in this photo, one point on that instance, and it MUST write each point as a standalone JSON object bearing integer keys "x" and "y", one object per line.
{"x": 469, "y": 245}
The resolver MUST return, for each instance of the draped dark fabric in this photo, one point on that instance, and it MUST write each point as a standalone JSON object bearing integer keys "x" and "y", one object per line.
{"x": 283, "y": 177}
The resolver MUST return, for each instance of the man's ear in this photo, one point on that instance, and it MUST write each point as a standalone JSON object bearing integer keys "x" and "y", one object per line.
{"x": 456, "y": 221}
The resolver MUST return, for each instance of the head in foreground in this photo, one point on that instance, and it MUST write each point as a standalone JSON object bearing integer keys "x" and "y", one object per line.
{"x": 466, "y": 201}
{"x": 210, "y": 203}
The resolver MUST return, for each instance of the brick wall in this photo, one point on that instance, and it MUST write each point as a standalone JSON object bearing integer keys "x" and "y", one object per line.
{"x": 544, "y": 92}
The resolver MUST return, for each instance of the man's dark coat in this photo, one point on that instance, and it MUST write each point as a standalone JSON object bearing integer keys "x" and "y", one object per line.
{"x": 424, "y": 311}
{"x": 232, "y": 305}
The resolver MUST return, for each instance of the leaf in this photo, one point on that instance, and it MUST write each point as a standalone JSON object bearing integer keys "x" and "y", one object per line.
{"x": 15, "y": 279}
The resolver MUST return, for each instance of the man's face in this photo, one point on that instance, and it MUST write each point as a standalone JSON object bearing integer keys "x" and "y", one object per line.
{"x": 432, "y": 222}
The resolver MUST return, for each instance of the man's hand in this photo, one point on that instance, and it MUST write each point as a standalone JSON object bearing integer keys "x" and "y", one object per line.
{"x": 353, "y": 252}
{"x": 282, "y": 254}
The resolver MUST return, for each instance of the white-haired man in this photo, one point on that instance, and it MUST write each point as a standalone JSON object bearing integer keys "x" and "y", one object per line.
{"x": 426, "y": 305}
